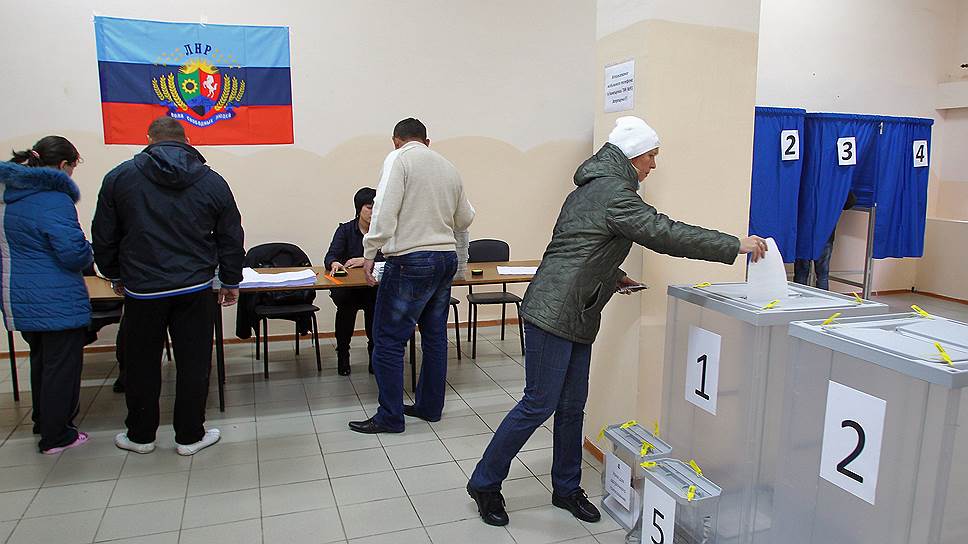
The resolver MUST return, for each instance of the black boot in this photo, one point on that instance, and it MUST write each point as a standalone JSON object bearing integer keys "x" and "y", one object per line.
{"x": 578, "y": 504}
{"x": 343, "y": 362}
{"x": 490, "y": 505}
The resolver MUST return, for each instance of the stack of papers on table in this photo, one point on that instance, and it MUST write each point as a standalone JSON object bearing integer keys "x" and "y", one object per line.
{"x": 252, "y": 279}
{"x": 517, "y": 270}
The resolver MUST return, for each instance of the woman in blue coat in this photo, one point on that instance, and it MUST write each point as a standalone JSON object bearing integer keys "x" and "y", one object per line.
{"x": 42, "y": 292}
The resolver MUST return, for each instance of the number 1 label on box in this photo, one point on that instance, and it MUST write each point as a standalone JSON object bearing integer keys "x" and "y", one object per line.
{"x": 702, "y": 368}
{"x": 852, "y": 432}
{"x": 658, "y": 515}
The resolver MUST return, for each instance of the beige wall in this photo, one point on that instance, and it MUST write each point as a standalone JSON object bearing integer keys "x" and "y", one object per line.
{"x": 695, "y": 84}
{"x": 506, "y": 99}
{"x": 942, "y": 269}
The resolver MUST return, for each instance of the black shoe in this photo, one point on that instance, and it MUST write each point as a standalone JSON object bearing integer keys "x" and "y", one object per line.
{"x": 490, "y": 504}
{"x": 370, "y": 427}
{"x": 118, "y": 386}
{"x": 578, "y": 504}
{"x": 410, "y": 410}
{"x": 343, "y": 362}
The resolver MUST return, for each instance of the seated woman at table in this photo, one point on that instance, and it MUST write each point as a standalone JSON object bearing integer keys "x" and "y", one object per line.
{"x": 346, "y": 251}
{"x": 43, "y": 292}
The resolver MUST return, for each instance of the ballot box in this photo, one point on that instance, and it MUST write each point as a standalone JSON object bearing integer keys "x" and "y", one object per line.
{"x": 680, "y": 506}
{"x": 630, "y": 448}
{"x": 724, "y": 371}
{"x": 875, "y": 433}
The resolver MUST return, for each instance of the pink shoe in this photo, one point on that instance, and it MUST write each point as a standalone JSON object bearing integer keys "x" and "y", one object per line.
{"x": 81, "y": 438}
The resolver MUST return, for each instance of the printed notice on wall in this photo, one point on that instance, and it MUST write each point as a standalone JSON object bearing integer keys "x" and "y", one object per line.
{"x": 620, "y": 86}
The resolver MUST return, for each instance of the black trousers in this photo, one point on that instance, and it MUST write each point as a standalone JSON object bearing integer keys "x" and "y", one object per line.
{"x": 55, "y": 381}
{"x": 348, "y": 302}
{"x": 190, "y": 319}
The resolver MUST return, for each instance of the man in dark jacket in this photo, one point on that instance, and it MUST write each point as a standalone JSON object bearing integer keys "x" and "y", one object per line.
{"x": 164, "y": 222}
{"x": 579, "y": 272}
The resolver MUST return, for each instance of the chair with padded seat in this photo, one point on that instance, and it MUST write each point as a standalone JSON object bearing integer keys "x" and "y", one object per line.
{"x": 489, "y": 250}
{"x": 290, "y": 305}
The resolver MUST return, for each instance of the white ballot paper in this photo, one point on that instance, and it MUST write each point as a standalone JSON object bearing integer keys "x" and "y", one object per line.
{"x": 517, "y": 270}
{"x": 766, "y": 279}
{"x": 252, "y": 279}
{"x": 378, "y": 270}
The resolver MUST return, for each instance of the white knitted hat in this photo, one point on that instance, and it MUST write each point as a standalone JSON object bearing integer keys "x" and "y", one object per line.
{"x": 633, "y": 136}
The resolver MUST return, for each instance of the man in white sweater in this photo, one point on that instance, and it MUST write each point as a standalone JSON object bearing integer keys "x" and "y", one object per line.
{"x": 419, "y": 210}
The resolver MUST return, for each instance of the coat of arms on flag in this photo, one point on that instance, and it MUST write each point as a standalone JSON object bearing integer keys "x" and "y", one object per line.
{"x": 190, "y": 72}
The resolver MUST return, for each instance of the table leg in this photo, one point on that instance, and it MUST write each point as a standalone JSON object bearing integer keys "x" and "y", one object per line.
{"x": 220, "y": 357}
{"x": 13, "y": 367}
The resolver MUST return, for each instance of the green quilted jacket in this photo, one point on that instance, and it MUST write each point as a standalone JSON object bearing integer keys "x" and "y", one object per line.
{"x": 596, "y": 227}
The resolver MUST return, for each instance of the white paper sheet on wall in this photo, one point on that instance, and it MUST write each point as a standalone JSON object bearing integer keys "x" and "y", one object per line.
{"x": 766, "y": 280}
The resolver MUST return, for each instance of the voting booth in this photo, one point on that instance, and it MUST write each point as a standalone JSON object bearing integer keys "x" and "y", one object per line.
{"x": 623, "y": 480}
{"x": 725, "y": 369}
{"x": 875, "y": 432}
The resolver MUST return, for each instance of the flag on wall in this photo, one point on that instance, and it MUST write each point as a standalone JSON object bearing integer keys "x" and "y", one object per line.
{"x": 227, "y": 84}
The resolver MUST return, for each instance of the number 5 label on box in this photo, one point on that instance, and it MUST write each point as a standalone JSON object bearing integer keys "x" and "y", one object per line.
{"x": 658, "y": 515}
{"x": 702, "y": 369}
{"x": 852, "y": 431}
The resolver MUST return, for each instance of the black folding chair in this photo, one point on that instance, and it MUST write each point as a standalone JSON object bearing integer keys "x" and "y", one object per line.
{"x": 487, "y": 250}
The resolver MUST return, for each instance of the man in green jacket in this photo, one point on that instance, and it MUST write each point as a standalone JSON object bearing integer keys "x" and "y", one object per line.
{"x": 562, "y": 309}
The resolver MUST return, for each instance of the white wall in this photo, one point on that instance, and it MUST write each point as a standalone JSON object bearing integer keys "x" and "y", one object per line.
{"x": 864, "y": 56}
{"x": 504, "y": 87}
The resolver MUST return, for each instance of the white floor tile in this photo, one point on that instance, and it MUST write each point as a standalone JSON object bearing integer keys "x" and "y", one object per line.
{"x": 150, "y": 488}
{"x": 460, "y": 426}
{"x": 544, "y": 525}
{"x": 351, "y": 463}
{"x": 13, "y": 504}
{"x": 221, "y": 508}
{"x": 469, "y": 531}
{"x": 23, "y": 477}
{"x": 222, "y": 479}
{"x": 141, "y": 519}
{"x": 366, "y": 488}
{"x": 290, "y": 471}
{"x": 73, "y": 528}
{"x": 298, "y": 497}
{"x": 431, "y": 478}
{"x": 67, "y": 472}
{"x": 410, "y": 536}
{"x": 222, "y": 455}
{"x": 418, "y": 454}
{"x": 312, "y": 526}
{"x": 347, "y": 440}
{"x": 468, "y": 447}
{"x": 240, "y": 532}
{"x": 444, "y": 506}
{"x": 378, "y": 517}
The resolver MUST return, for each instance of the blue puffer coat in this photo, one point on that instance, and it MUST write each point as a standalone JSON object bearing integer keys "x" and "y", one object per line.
{"x": 43, "y": 251}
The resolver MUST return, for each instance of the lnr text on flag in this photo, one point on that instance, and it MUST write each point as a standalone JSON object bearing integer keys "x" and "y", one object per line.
{"x": 227, "y": 84}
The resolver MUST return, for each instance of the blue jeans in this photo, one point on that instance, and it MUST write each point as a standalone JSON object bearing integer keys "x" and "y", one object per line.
{"x": 556, "y": 382}
{"x": 821, "y": 267}
{"x": 414, "y": 289}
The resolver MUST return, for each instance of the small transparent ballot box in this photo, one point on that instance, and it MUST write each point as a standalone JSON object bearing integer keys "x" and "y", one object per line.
{"x": 726, "y": 360}
{"x": 680, "y": 506}
{"x": 629, "y": 446}
{"x": 874, "y": 447}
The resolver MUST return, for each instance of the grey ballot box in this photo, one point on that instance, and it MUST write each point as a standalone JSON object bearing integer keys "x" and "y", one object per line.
{"x": 737, "y": 446}
{"x": 627, "y": 444}
{"x": 875, "y": 433}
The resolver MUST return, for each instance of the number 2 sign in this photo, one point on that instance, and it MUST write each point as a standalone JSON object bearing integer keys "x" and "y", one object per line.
{"x": 852, "y": 432}
{"x": 790, "y": 145}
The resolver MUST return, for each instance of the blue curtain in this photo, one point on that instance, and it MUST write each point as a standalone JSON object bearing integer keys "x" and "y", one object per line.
{"x": 902, "y": 187}
{"x": 775, "y": 182}
{"x": 824, "y": 184}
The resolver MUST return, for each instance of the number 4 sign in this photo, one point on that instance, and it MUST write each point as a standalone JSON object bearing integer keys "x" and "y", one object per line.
{"x": 702, "y": 369}
{"x": 920, "y": 153}
{"x": 852, "y": 431}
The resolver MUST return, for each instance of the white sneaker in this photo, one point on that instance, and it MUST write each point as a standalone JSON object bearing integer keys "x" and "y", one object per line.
{"x": 211, "y": 437}
{"x": 122, "y": 441}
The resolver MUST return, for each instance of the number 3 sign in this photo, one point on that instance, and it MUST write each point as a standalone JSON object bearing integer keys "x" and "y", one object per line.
{"x": 852, "y": 431}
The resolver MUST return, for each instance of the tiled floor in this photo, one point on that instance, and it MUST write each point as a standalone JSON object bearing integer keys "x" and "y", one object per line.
{"x": 287, "y": 469}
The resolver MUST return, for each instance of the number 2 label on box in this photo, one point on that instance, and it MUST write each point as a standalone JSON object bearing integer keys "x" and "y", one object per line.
{"x": 852, "y": 432}
{"x": 702, "y": 369}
